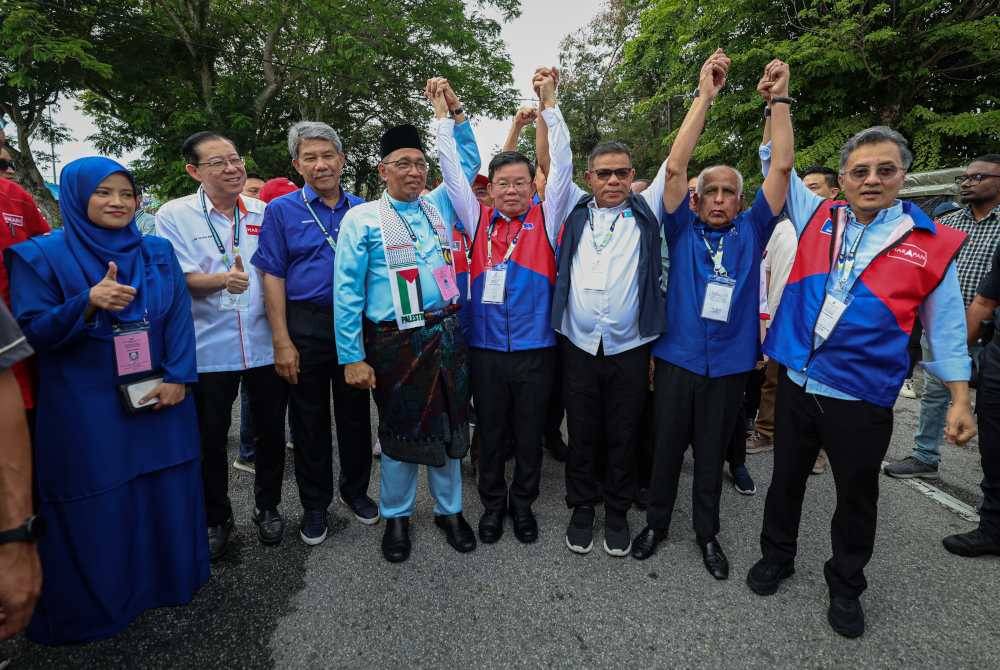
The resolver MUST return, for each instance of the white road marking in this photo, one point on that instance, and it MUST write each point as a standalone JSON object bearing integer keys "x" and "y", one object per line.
{"x": 940, "y": 497}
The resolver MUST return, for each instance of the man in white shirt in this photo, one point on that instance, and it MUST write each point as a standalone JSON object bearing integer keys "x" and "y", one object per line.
{"x": 213, "y": 230}
{"x": 608, "y": 307}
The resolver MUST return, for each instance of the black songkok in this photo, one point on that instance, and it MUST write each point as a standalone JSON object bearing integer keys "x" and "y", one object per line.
{"x": 400, "y": 137}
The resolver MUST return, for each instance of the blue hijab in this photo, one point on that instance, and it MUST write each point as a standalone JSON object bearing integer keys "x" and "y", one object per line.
{"x": 93, "y": 246}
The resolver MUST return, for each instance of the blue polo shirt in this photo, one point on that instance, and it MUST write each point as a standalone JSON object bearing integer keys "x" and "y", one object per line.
{"x": 703, "y": 346}
{"x": 294, "y": 248}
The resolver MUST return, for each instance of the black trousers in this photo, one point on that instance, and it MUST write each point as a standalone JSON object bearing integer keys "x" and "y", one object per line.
{"x": 988, "y": 414}
{"x": 700, "y": 411}
{"x": 556, "y": 409}
{"x": 311, "y": 329}
{"x": 856, "y": 436}
{"x": 604, "y": 397}
{"x": 736, "y": 452}
{"x": 511, "y": 391}
{"x": 214, "y": 396}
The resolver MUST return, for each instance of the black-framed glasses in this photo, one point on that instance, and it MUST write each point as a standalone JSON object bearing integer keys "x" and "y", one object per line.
{"x": 620, "y": 173}
{"x": 976, "y": 178}
{"x": 405, "y": 165}
{"x": 220, "y": 164}
{"x": 7, "y": 165}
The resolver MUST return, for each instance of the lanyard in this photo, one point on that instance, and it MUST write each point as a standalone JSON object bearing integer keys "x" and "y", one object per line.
{"x": 326, "y": 234}
{"x": 413, "y": 235}
{"x": 593, "y": 235}
{"x": 716, "y": 256}
{"x": 215, "y": 235}
{"x": 845, "y": 262}
{"x": 510, "y": 248}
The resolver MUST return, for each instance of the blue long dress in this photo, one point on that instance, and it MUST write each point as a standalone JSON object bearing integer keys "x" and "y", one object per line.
{"x": 121, "y": 493}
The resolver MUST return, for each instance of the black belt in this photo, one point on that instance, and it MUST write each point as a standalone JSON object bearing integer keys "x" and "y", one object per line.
{"x": 308, "y": 306}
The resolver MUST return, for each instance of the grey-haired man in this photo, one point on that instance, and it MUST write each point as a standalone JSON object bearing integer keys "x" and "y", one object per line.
{"x": 298, "y": 241}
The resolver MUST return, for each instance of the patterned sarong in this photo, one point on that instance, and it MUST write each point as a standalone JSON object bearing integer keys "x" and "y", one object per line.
{"x": 421, "y": 388}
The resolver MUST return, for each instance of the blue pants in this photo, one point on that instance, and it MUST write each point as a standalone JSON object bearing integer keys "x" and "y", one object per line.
{"x": 933, "y": 413}
{"x": 399, "y": 487}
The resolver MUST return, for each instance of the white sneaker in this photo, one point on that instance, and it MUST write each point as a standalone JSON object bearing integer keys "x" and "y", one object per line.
{"x": 244, "y": 465}
{"x": 907, "y": 391}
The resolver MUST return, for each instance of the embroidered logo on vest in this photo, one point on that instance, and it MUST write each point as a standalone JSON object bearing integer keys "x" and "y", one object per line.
{"x": 827, "y": 228}
{"x": 910, "y": 253}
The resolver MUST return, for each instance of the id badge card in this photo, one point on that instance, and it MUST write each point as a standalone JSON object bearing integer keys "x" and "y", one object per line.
{"x": 496, "y": 279}
{"x": 132, "y": 354}
{"x": 834, "y": 304}
{"x": 238, "y": 302}
{"x": 718, "y": 299}
{"x": 445, "y": 278}
{"x": 595, "y": 274}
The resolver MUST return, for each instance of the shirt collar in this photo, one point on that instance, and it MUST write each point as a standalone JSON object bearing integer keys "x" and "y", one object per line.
{"x": 312, "y": 196}
{"x": 211, "y": 205}
{"x": 891, "y": 213}
{"x": 402, "y": 204}
{"x": 611, "y": 210}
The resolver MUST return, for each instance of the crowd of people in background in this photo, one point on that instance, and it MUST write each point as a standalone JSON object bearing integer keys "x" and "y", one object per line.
{"x": 655, "y": 315}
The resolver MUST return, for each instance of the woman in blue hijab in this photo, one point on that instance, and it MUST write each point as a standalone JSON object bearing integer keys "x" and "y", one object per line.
{"x": 118, "y": 481}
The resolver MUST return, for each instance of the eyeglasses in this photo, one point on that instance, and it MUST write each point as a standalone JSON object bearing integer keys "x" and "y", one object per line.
{"x": 220, "y": 164}
{"x": 620, "y": 173}
{"x": 976, "y": 178}
{"x": 6, "y": 164}
{"x": 519, "y": 185}
{"x": 883, "y": 172}
{"x": 405, "y": 165}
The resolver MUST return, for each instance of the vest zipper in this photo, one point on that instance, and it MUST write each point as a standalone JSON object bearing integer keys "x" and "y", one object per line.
{"x": 813, "y": 349}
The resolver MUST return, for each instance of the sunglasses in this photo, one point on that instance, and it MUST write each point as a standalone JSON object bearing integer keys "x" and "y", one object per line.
{"x": 620, "y": 173}
{"x": 6, "y": 164}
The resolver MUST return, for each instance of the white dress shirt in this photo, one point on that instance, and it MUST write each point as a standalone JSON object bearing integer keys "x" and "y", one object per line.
{"x": 610, "y": 316}
{"x": 227, "y": 340}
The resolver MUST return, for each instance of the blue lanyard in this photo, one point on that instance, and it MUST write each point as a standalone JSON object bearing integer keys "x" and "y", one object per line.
{"x": 513, "y": 242}
{"x": 445, "y": 252}
{"x": 611, "y": 231}
{"x": 326, "y": 234}
{"x": 716, "y": 256}
{"x": 215, "y": 235}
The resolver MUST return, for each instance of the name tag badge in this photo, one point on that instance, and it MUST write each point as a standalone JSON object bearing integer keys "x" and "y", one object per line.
{"x": 132, "y": 352}
{"x": 235, "y": 302}
{"x": 445, "y": 278}
{"x": 834, "y": 304}
{"x": 595, "y": 277}
{"x": 496, "y": 279}
{"x": 718, "y": 299}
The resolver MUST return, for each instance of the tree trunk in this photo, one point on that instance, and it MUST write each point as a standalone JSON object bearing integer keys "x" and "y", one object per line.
{"x": 31, "y": 179}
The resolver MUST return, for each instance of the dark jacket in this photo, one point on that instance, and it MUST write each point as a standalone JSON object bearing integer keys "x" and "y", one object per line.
{"x": 652, "y": 316}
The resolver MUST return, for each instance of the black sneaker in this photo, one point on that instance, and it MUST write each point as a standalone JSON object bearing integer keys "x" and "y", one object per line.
{"x": 617, "y": 536}
{"x": 973, "y": 543}
{"x": 313, "y": 528}
{"x": 218, "y": 538}
{"x": 764, "y": 577}
{"x": 742, "y": 481}
{"x": 364, "y": 508}
{"x": 580, "y": 533}
{"x": 846, "y": 616}
{"x": 270, "y": 526}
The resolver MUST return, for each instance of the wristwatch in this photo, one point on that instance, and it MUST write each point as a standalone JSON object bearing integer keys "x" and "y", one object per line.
{"x": 782, "y": 100}
{"x": 31, "y": 530}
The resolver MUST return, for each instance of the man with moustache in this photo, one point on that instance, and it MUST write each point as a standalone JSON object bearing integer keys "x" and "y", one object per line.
{"x": 212, "y": 231}
{"x": 397, "y": 331}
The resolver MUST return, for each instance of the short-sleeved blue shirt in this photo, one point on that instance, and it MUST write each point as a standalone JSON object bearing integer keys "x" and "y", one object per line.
{"x": 294, "y": 248}
{"x": 706, "y": 347}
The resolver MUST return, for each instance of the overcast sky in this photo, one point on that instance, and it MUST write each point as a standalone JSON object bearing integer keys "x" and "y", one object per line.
{"x": 532, "y": 40}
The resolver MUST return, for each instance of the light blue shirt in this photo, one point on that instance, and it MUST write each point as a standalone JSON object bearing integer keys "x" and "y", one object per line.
{"x": 942, "y": 312}
{"x": 361, "y": 275}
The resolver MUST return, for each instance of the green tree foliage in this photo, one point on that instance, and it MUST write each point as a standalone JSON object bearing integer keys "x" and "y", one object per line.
{"x": 928, "y": 68}
{"x": 251, "y": 68}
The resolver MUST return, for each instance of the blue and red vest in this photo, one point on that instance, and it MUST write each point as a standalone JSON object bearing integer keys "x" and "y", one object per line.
{"x": 460, "y": 252}
{"x": 866, "y": 354}
{"x": 523, "y": 320}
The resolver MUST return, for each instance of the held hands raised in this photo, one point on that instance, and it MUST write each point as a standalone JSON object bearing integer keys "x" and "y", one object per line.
{"x": 525, "y": 116}
{"x": 237, "y": 278}
{"x": 774, "y": 81}
{"x": 713, "y": 74}
{"x": 109, "y": 294}
{"x": 449, "y": 100}
{"x": 544, "y": 83}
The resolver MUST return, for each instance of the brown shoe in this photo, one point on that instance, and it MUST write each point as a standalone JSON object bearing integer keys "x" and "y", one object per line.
{"x": 758, "y": 443}
{"x": 819, "y": 467}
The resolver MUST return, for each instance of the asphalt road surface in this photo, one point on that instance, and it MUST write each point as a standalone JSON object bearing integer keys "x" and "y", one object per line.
{"x": 509, "y": 605}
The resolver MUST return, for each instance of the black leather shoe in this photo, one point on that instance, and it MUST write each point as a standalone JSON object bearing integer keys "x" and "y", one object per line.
{"x": 764, "y": 577}
{"x": 715, "y": 559}
{"x": 645, "y": 543}
{"x": 458, "y": 531}
{"x": 270, "y": 526}
{"x": 491, "y": 526}
{"x": 396, "y": 539}
{"x": 846, "y": 616}
{"x": 218, "y": 538}
{"x": 973, "y": 543}
{"x": 525, "y": 525}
